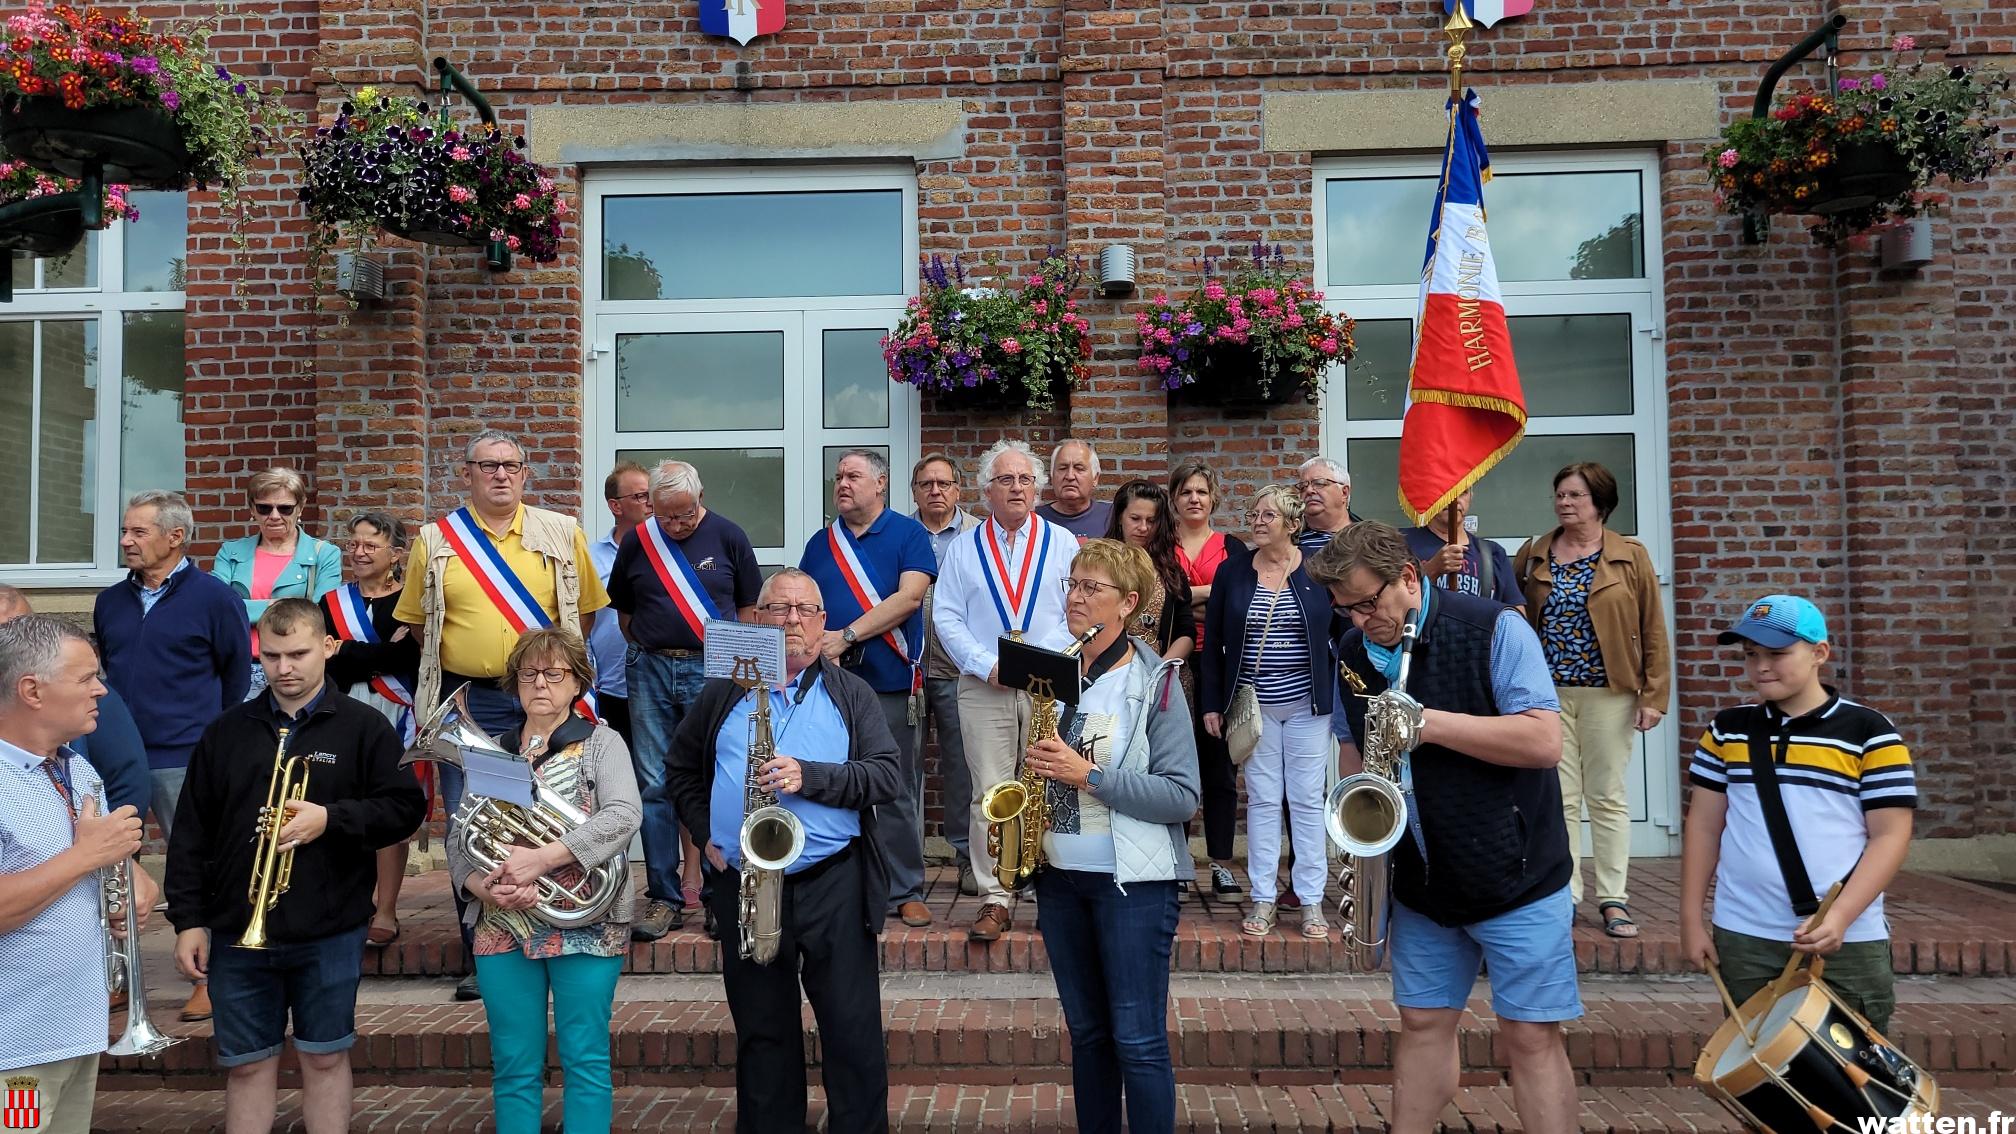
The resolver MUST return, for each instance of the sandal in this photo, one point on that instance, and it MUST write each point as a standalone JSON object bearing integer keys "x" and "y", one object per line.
{"x": 1313, "y": 925}
{"x": 378, "y": 936}
{"x": 1618, "y": 924}
{"x": 1260, "y": 922}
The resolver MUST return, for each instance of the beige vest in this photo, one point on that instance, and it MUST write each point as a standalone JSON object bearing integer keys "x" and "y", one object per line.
{"x": 550, "y": 534}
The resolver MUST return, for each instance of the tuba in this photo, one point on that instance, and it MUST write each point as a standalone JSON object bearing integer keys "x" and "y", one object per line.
{"x": 122, "y": 962}
{"x": 1018, "y": 810}
{"x": 772, "y": 837}
{"x": 1366, "y": 813}
{"x": 272, "y": 867}
{"x": 488, "y": 829}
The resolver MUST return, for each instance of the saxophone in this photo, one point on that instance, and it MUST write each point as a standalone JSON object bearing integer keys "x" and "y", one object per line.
{"x": 772, "y": 837}
{"x": 1018, "y": 810}
{"x": 1366, "y": 814}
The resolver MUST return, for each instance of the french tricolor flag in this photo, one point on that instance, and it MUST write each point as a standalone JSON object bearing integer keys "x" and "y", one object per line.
{"x": 1465, "y": 408}
{"x": 741, "y": 20}
{"x": 1489, "y": 12}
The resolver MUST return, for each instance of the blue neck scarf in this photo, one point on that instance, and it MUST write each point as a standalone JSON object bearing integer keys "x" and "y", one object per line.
{"x": 1386, "y": 659}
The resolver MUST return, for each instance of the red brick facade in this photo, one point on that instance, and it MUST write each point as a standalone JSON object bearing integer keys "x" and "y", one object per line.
{"x": 1834, "y": 429}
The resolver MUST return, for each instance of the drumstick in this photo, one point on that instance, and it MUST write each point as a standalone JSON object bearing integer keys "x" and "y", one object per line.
{"x": 1784, "y": 980}
{"x": 1729, "y": 1002}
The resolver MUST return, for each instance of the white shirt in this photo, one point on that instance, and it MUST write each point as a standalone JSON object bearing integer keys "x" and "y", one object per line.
{"x": 605, "y": 638}
{"x": 52, "y": 970}
{"x": 963, "y": 610}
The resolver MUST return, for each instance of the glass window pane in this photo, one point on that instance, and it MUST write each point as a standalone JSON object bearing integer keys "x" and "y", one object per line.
{"x": 157, "y": 243}
{"x": 1517, "y": 499}
{"x": 700, "y": 380}
{"x": 1566, "y": 226}
{"x": 79, "y": 269}
{"x": 151, "y": 441}
{"x": 829, "y": 459}
{"x": 745, "y": 485}
{"x": 743, "y": 245}
{"x": 856, "y": 379}
{"x": 23, "y": 272}
{"x": 17, "y": 421}
{"x": 1377, "y": 229}
{"x": 65, "y": 472}
{"x": 1375, "y": 380}
{"x": 1573, "y": 365}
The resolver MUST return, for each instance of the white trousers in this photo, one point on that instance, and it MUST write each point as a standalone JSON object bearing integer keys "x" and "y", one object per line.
{"x": 1290, "y": 761}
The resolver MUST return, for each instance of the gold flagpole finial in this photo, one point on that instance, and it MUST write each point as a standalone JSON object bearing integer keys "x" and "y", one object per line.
{"x": 1457, "y": 27}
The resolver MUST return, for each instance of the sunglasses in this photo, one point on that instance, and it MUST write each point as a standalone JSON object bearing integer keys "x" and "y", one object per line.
{"x": 269, "y": 509}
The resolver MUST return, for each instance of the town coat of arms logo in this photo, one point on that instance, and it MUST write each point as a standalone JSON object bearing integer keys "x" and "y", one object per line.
{"x": 741, "y": 20}
{"x": 24, "y": 1104}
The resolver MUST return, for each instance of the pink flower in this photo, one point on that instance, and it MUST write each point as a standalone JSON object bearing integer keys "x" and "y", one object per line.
{"x": 1214, "y": 290}
{"x": 1905, "y": 43}
{"x": 1851, "y": 84}
{"x": 512, "y": 243}
{"x": 496, "y": 234}
{"x": 560, "y": 207}
{"x": 1011, "y": 346}
{"x": 461, "y": 194}
{"x": 522, "y": 201}
{"x": 1329, "y": 346}
{"x": 171, "y": 100}
{"x": 1878, "y": 82}
{"x": 1728, "y": 159}
{"x": 460, "y": 153}
{"x": 1293, "y": 320}
{"x": 545, "y": 185}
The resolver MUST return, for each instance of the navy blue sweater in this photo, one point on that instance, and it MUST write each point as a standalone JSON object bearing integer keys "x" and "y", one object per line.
{"x": 186, "y": 661}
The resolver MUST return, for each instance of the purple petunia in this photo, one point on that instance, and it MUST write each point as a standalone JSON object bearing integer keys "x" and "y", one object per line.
{"x": 171, "y": 100}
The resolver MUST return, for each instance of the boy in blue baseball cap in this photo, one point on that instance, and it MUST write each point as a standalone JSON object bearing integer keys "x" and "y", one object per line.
{"x": 1843, "y": 781}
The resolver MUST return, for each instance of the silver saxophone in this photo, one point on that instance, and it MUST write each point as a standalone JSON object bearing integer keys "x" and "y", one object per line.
{"x": 122, "y": 962}
{"x": 1366, "y": 813}
{"x": 772, "y": 837}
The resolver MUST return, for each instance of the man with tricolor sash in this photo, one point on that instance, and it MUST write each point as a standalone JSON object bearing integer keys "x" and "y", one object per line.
{"x": 873, "y": 566}
{"x": 683, "y": 565}
{"x": 478, "y": 578}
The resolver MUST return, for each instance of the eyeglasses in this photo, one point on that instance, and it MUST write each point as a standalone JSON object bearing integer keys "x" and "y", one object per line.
{"x": 1013, "y": 480}
{"x": 365, "y": 545}
{"x": 1093, "y": 588}
{"x": 1368, "y": 606}
{"x": 1571, "y": 496}
{"x": 489, "y": 468}
{"x": 687, "y": 516}
{"x": 643, "y": 497}
{"x": 933, "y": 485}
{"x": 1318, "y": 482}
{"x": 269, "y": 509}
{"x": 550, "y": 676}
{"x": 782, "y": 611}
{"x": 1262, "y": 517}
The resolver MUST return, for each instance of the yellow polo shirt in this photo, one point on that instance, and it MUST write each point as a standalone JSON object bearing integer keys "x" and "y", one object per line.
{"x": 475, "y": 638}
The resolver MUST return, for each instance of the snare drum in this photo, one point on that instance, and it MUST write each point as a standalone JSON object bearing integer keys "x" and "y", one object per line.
{"x": 1814, "y": 1064}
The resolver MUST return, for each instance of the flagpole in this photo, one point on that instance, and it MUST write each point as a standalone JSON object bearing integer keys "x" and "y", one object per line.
{"x": 1456, "y": 28}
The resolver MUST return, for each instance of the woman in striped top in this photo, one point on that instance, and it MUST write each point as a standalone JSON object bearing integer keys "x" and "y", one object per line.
{"x": 1268, "y": 625}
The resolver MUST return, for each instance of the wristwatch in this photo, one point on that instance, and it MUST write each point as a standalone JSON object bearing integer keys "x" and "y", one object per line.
{"x": 1092, "y": 779}
{"x": 847, "y": 635}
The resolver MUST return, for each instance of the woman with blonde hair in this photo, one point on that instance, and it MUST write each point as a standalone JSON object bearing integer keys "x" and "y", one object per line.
{"x": 278, "y": 560}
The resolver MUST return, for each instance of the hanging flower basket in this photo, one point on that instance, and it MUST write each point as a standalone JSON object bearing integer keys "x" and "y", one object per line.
{"x": 136, "y": 144}
{"x": 55, "y": 233}
{"x": 52, "y": 234}
{"x": 984, "y": 348}
{"x": 1864, "y": 154}
{"x": 1258, "y": 338}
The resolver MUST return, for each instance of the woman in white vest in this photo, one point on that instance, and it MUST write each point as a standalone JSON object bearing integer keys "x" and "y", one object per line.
{"x": 1122, "y": 784}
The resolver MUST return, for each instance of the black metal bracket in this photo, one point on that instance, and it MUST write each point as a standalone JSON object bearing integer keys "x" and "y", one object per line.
{"x": 1757, "y": 225}
{"x": 496, "y": 254}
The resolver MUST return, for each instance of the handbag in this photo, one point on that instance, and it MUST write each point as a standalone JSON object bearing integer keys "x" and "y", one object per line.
{"x": 1242, "y": 717}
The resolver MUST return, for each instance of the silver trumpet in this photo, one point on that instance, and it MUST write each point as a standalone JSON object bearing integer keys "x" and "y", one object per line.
{"x": 488, "y": 829}
{"x": 1366, "y": 813}
{"x": 122, "y": 962}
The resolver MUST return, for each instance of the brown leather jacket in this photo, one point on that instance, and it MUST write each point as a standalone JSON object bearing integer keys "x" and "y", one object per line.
{"x": 1624, "y": 606}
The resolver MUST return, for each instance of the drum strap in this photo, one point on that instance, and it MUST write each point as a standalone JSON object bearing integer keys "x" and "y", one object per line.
{"x": 1765, "y": 752}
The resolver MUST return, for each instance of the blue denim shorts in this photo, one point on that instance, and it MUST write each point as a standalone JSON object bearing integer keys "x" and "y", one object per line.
{"x": 1530, "y": 950}
{"x": 252, "y": 991}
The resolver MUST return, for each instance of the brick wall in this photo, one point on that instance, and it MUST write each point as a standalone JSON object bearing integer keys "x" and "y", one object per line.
{"x": 1833, "y": 429}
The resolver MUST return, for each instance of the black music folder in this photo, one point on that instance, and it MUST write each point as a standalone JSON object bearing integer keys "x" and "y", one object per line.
{"x": 1043, "y": 673}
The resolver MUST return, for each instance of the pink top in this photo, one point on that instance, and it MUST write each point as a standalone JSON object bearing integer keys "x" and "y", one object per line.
{"x": 1217, "y": 546}
{"x": 266, "y": 568}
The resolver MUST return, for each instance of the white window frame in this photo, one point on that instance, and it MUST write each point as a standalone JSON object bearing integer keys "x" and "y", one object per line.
{"x": 1643, "y": 298}
{"x": 801, "y": 318}
{"x": 109, "y": 305}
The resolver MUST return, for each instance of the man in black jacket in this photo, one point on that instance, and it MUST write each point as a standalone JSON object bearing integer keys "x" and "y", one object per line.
{"x": 1481, "y": 874}
{"x": 357, "y": 801}
{"x": 834, "y": 761}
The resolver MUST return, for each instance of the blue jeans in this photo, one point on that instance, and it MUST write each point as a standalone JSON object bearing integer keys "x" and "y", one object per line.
{"x": 662, "y": 689}
{"x": 497, "y": 713}
{"x": 1109, "y": 951}
{"x": 582, "y": 989}
{"x": 255, "y": 990}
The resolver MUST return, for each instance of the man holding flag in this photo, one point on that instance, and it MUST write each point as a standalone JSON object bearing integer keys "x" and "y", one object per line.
{"x": 477, "y": 579}
{"x": 683, "y": 565}
{"x": 1478, "y": 876}
{"x": 873, "y": 566}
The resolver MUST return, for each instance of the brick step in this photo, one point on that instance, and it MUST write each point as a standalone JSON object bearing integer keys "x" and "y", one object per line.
{"x": 1270, "y": 1041}
{"x": 1200, "y": 1109}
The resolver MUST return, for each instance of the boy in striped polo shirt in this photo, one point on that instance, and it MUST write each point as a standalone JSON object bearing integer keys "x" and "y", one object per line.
{"x": 1846, "y": 781}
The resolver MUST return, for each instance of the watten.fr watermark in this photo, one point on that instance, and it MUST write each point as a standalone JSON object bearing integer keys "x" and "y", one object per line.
{"x": 1995, "y": 1123}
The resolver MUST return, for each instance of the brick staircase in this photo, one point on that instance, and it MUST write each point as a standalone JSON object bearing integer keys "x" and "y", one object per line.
{"x": 1268, "y": 1035}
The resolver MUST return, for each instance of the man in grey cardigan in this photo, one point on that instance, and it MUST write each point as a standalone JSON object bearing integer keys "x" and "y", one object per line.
{"x": 835, "y": 761}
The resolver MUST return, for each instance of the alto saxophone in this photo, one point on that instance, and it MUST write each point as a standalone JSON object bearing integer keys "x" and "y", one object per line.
{"x": 772, "y": 837}
{"x": 1018, "y": 810}
{"x": 1366, "y": 814}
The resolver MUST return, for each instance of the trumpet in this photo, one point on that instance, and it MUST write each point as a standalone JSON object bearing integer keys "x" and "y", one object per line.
{"x": 122, "y": 962}
{"x": 1018, "y": 810}
{"x": 273, "y": 867}
{"x": 1366, "y": 814}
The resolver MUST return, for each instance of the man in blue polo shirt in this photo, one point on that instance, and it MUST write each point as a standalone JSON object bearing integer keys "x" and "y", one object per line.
{"x": 873, "y": 567}
{"x": 680, "y": 566}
